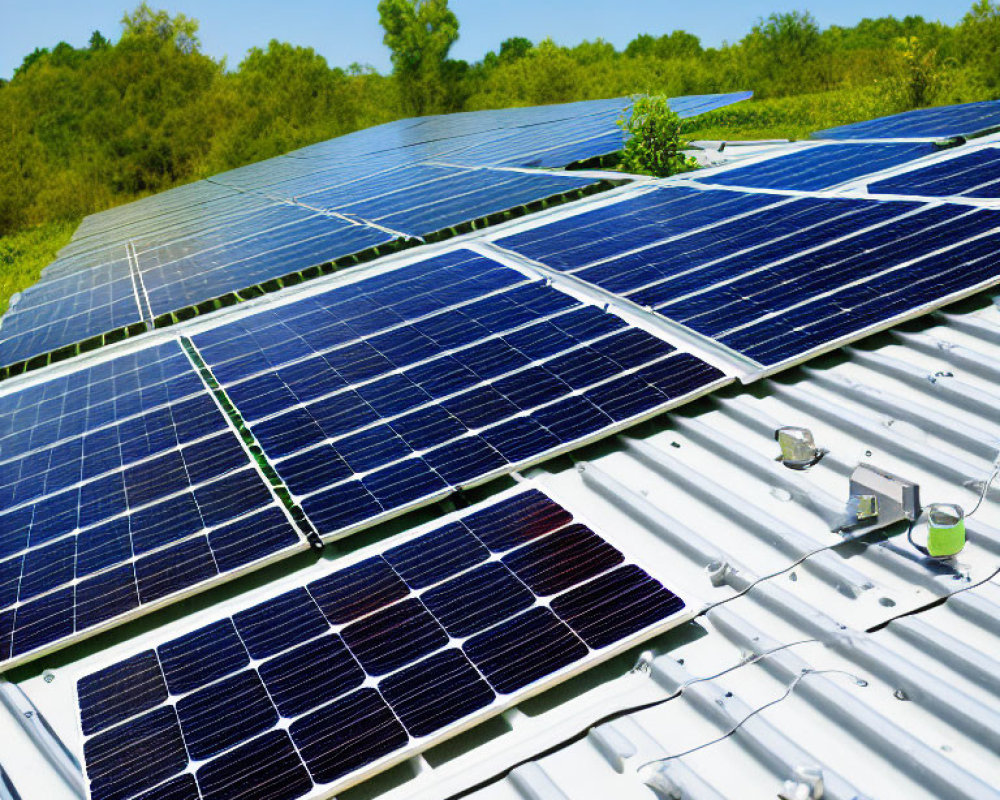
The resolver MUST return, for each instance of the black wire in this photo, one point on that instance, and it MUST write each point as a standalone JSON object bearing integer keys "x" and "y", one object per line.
{"x": 909, "y": 535}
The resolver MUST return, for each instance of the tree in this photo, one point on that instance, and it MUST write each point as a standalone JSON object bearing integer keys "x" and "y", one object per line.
{"x": 514, "y": 48}
{"x": 783, "y": 53}
{"x": 34, "y": 57}
{"x": 654, "y": 146}
{"x": 676, "y": 44}
{"x": 919, "y": 74}
{"x": 146, "y": 24}
{"x": 98, "y": 42}
{"x": 419, "y": 33}
{"x": 979, "y": 41}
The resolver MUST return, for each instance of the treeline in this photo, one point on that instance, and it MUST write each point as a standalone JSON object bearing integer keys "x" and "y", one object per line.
{"x": 85, "y": 128}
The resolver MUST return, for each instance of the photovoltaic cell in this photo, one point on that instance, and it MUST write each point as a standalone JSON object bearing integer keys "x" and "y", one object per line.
{"x": 121, "y": 485}
{"x": 392, "y": 669}
{"x": 822, "y": 166}
{"x": 419, "y": 200}
{"x": 63, "y": 311}
{"x": 172, "y": 283}
{"x": 780, "y": 280}
{"x": 974, "y": 174}
{"x": 383, "y": 393}
{"x": 923, "y": 123}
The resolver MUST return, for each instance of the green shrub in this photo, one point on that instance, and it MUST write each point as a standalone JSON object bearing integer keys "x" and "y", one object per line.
{"x": 654, "y": 145}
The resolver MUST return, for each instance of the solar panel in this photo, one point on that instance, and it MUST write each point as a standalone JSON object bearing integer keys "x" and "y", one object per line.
{"x": 819, "y": 167}
{"x": 195, "y": 245}
{"x": 386, "y": 393}
{"x": 421, "y": 200}
{"x": 539, "y": 136}
{"x": 121, "y": 486}
{"x": 174, "y": 277}
{"x": 975, "y": 174}
{"x": 55, "y": 313}
{"x": 966, "y": 119}
{"x": 327, "y": 683}
{"x": 787, "y": 277}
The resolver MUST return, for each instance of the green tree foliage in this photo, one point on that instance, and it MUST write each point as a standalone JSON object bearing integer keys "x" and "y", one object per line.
{"x": 655, "y": 145}
{"x": 514, "y": 48}
{"x": 979, "y": 39}
{"x": 419, "y": 33}
{"x": 784, "y": 52}
{"x": 145, "y": 24}
{"x": 919, "y": 74}
{"x": 97, "y": 42}
{"x": 676, "y": 44}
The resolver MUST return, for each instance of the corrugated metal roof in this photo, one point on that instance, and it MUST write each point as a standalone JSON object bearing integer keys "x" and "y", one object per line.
{"x": 861, "y": 660}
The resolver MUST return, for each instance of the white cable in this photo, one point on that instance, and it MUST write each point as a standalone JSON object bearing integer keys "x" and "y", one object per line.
{"x": 986, "y": 485}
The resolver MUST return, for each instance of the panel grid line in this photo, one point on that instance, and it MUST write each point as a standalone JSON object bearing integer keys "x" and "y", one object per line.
{"x": 299, "y": 727}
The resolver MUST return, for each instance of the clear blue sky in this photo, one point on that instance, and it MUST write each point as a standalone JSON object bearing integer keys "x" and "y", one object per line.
{"x": 347, "y": 30}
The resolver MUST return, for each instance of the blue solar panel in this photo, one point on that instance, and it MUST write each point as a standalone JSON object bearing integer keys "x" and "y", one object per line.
{"x": 452, "y": 199}
{"x": 820, "y": 167}
{"x": 611, "y": 230}
{"x": 923, "y": 123}
{"x": 174, "y": 283}
{"x": 278, "y": 217}
{"x": 975, "y": 174}
{"x": 66, "y": 310}
{"x": 121, "y": 485}
{"x": 382, "y": 394}
{"x": 540, "y": 136}
{"x": 761, "y": 283}
{"x": 380, "y": 668}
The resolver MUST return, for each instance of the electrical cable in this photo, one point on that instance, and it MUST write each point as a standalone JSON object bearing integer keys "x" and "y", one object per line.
{"x": 986, "y": 486}
{"x": 788, "y": 691}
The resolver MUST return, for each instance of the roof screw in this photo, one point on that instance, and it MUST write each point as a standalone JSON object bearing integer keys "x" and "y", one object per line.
{"x": 718, "y": 571}
{"x": 899, "y": 694}
{"x": 644, "y": 663}
{"x": 806, "y": 784}
{"x": 48, "y": 676}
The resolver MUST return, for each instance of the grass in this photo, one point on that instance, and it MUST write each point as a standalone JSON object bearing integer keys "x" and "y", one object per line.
{"x": 788, "y": 117}
{"x": 23, "y": 254}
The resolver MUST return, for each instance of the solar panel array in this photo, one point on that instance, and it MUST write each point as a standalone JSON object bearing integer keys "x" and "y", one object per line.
{"x": 287, "y": 215}
{"x": 974, "y": 174}
{"x": 538, "y": 136}
{"x": 310, "y": 690}
{"x": 771, "y": 277}
{"x": 121, "y": 485}
{"x": 822, "y": 166}
{"x": 71, "y": 308}
{"x": 388, "y": 392}
{"x": 965, "y": 119}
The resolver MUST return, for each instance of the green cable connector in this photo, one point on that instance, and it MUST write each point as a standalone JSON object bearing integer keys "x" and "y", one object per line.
{"x": 256, "y": 451}
{"x": 945, "y": 530}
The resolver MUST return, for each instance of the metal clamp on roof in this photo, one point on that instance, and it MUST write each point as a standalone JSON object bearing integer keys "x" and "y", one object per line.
{"x": 879, "y": 499}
